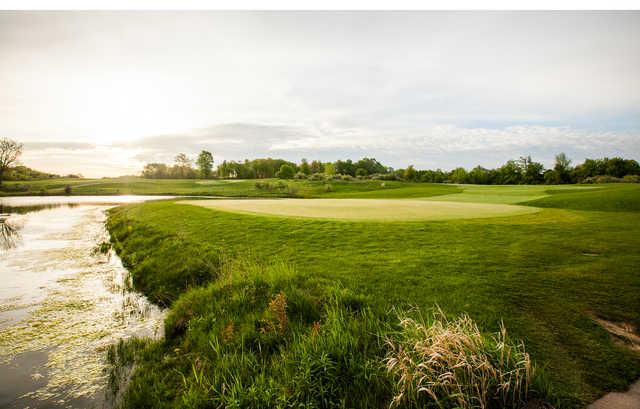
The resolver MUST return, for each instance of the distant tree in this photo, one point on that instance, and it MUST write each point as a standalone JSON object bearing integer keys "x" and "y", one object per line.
{"x": 182, "y": 167}
{"x": 361, "y": 172}
{"x": 479, "y": 176}
{"x": 410, "y": 173}
{"x": 304, "y": 167}
{"x": 345, "y": 167}
{"x": 532, "y": 172}
{"x": 509, "y": 174}
{"x": 371, "y": 165}
{"x": 10, "y": 151}
{"x": 182, "y": 159}
{"x": 562, "y": 168}
{"x": 329, "y": 169}
{"x": 285, "y": 172}
{"x": 205, "y": 164}
{"x": 458, "y": 175}
{"x": 155, "y": 171}
{"x": 316, "y": 166}
{"x": 615, "y": 167}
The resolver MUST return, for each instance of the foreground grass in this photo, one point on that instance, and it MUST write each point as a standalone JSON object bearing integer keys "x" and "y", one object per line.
{"x": 543, "y": 274}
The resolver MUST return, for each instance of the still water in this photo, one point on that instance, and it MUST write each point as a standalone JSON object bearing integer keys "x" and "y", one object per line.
{"x": 62, "y": 302}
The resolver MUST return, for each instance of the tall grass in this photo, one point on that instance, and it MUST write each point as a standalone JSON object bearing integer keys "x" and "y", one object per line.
{"x": 452, "y": 364}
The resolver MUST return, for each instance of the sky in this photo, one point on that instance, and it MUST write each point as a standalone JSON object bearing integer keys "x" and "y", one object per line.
{"x": 103, "y": 93}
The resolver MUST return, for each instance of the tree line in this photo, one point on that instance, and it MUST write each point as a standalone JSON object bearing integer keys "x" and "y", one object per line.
{"x": 521, "y": 171}
{"x": 518, "y": 171}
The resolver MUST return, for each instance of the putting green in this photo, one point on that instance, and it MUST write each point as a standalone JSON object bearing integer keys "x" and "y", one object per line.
{"x": 365, "y": 209}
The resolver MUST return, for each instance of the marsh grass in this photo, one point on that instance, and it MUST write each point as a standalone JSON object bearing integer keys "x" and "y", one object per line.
{"x": 451, "y": 363}
{"x": 263, "y": 335}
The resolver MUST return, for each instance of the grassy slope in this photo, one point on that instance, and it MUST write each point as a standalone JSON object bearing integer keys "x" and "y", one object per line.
{"x": 541, "y": 273}
{"x": 599, "y": 197}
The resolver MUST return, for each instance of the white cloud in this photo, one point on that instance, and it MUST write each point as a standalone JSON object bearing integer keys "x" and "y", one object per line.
{"x": 434, "y": 88}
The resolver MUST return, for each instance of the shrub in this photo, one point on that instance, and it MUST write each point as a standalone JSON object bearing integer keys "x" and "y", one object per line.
{"x": 300, "y": 175}
{"x": 317, "y": 176}
{"x": 346, "y": 177}
{"x": 285, "y": 172}
{"x": 612, "y": 179}
{"x": 67, "y": 190}
{"x": 292, "y": 189}
{"x": 452, "y": 363}
{"x": 328, "y": 188}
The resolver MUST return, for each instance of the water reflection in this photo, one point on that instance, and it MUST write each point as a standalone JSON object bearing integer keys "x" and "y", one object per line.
{"x": 62, "y": 303}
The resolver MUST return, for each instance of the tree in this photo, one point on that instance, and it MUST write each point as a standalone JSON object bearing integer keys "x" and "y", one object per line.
{"x": 531, "y": 171}
{"x": 329, "y": 169}
{"x": 155, "y": 171}
{"x": 316, "y": 166}
{"x": 285, "y": 172}
{"x": 10, "y": 151}
{"x": 361, "y": 172}
{"x": 304, "y": 167}
{"x": 371, "y": 165}
{"x": 345, "y": 167}
{"x": 410, "y": 173}
{"x": 205, "y": 163}
{"x": 459, "y": 175}
{"x": 509, "y": 174}
{"x": 562, "y": 168}
{"x": 182, "y": 167}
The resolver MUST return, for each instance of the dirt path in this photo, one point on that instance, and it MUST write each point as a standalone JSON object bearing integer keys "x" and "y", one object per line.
{"x": 625, "y": 334}
{"x": 619, "y": 400}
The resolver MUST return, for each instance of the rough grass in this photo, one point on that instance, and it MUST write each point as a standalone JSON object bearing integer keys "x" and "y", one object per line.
{"x": 450, "y": 362}
{"x": 366, "y": 209}
{"x": 544, "y": 274}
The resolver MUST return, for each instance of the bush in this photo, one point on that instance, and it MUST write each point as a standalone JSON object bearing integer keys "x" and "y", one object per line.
{"x": 328, "y": 188}
{"x": 451, "y": 363}
{"x": 67, "y": 190}
{"x": 631, "y": 179}
{"x": 317, "y": 176}
{"x": 612, "y": 179}
{"x": 285, "y": 172}
{"x": 300, "y": 175}
{"x": 292, "y": 189}
{"x": 346, "y": 177}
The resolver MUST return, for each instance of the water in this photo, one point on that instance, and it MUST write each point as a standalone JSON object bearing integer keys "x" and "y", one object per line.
{"x": 62, "y": 302}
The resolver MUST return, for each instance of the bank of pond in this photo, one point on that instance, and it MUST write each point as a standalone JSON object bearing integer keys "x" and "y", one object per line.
{"x": 269, "y": 311}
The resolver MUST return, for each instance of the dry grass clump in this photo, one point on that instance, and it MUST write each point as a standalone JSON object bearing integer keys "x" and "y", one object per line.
{"x": 278, "y": 320}
{"x": 449, "y": 363}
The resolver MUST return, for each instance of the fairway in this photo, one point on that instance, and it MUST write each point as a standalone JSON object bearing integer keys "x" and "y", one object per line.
{"x": 366, "y": 209}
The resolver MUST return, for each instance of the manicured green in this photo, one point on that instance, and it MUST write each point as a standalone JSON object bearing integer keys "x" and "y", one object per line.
{"x": 365, "y": 209}
{"x": 543, "y": 274}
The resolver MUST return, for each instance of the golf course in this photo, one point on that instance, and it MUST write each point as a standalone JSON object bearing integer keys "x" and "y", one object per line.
{"x": 316, "y": 297}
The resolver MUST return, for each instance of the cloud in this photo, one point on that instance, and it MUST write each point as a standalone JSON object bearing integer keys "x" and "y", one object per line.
{"x": 436, "y": 89}
{"x": 62, "y": 145}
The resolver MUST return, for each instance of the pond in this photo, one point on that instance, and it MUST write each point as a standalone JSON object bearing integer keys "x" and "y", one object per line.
{"x": 63, "y": 302}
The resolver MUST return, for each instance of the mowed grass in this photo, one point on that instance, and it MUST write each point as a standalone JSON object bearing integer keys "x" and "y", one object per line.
{"x": 365, "y": 209}
{"x": 543, "y": 274}
{"x": 228, "y": 188}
